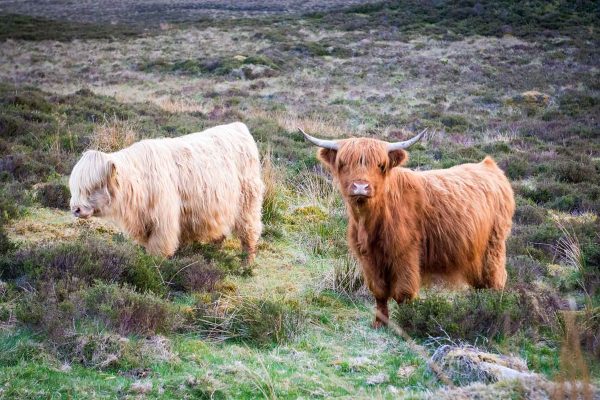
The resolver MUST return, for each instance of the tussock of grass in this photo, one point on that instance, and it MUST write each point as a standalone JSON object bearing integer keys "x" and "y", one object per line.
{"x": 252, "y": 320}
{"x": 113, "y": 135}
{"x": 345, "y": 278}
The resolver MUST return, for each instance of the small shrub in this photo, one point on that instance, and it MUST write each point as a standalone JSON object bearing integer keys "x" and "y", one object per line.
{"x": 56, "y": 307}
{"x": 54, "y": 195}
{"x": 543, "y": 191}
{"x": 192, "y": 272}
{"x": 201, "y": 276}
{"x": 455, "y": 123}
{"x": 49, "y": 309}
{"x": 515, "y": 167}
{"x": 574, "y": 172}
{"x": 529, "y": 215}
{"x": 524, "y": 269}
{"x": 86, "y": 260}
{"x": 574, "y": 103}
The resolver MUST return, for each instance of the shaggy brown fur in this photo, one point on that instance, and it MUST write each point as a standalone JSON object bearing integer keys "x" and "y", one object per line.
{"x": 412, "y": 227}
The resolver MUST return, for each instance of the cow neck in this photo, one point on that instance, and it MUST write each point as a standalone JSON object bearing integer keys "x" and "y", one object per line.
{"x": 367, "y": 217}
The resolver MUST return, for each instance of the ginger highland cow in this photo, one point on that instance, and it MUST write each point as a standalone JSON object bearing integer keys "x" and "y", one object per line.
{"x": 409, "y": 228}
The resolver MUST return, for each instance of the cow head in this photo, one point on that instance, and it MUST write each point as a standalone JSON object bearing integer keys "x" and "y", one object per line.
{"x": 361, "y": 165}
{"x": 92, "y": 184}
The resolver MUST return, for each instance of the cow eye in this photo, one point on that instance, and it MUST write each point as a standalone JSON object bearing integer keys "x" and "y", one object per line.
{"x": 382, "y": 167}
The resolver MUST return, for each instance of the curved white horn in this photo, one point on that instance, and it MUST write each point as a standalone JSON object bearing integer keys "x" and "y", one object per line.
{"x": 326, "y": 144}
{"x": 407, "y": 143}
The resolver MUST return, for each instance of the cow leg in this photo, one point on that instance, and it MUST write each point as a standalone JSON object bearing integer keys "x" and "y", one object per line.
{"x": 379, "y": 286}
{"x": 494, "y": 262}
{"x": 162, "y": 243}
{"x": 164, "y": 238}
{"x": 249, "y": 236}
{"x": 218, "y": 243}
{"x": 382, "y": 313}
{"x": 249, "y": 226}
{"x": 405, "y": 277}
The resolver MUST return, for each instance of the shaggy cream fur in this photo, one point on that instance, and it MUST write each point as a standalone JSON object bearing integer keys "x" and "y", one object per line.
{"x": 164, "y": 192}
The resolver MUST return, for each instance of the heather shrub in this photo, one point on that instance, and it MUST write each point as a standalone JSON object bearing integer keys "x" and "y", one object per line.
{"x": 55, "y": 195}
{"x": 528, "y": 214}
{"x": 129, "y": 312}
{"x": 515, "y": 167}
{"x": 477, "y": 313}
{"x": 524, "y": 269}
{"x": 200, "y": 276}
{"x": 5, "y": 244}
{"x": 56, "y": 308}
{"x": 574, "y": 171}
{"x": 84, "y": 261}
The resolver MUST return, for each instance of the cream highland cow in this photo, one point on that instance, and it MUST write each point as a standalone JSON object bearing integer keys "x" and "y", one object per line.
{"x": 163, "y": 192}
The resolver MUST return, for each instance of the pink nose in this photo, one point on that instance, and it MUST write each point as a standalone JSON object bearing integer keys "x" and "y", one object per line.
{"x": 360, "y": 189}
{"x": 81, "y": 212}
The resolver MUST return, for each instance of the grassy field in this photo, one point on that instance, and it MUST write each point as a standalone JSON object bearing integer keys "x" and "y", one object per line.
{"x": 86, "y": 313}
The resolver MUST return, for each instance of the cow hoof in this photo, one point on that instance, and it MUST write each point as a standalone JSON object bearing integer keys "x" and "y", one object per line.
{"x": 377, "y": 324}
{"x": 248, "y": 261}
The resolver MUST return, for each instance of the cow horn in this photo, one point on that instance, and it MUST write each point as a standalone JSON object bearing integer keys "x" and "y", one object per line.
{"x": 406, "y": 143}
{"x": 326, "y": 144}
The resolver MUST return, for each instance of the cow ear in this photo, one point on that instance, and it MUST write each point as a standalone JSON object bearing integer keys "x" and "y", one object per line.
{"x": 112, "y": 177}
{"x": 397, "y": 157}
{"x": 327, "y": 157}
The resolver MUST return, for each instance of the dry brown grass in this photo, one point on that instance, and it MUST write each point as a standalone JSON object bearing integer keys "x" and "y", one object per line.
{"x": 113, "y": 135}
{"x": 317, "y": 125}
{"x": 573, "y": 381}
{"x": 179, "y": 105}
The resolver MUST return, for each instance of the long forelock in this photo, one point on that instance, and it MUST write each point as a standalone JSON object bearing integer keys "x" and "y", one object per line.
{"x": 90, "y": 172}
{"x": 363, "y": 152}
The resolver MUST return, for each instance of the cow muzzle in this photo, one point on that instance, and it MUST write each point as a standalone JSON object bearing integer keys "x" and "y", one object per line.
{"x": 360, "y": 189}
{"x": 82, "y": 212}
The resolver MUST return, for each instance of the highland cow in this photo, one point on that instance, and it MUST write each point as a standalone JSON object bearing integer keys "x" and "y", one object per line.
{"x": 164, "y": 192}
{"x": 409, "y": 228}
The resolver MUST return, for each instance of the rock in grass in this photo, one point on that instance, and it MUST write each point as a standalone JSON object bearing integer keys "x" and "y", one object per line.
{"x": 534, "y": 389}
{"x": 467, "y": 364}
{"x": 141, "y": 387}
{"x": 377, "y": 379}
